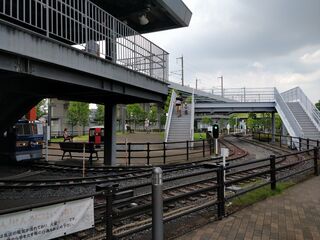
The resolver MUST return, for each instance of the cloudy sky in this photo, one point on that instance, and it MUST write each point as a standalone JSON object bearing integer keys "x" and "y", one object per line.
{"x": 252, "y": 43}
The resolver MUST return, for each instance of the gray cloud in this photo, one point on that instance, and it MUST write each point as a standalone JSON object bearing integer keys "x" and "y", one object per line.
{"x": 234, "y": 37}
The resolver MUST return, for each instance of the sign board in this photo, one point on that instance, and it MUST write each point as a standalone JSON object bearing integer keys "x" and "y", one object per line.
{"x": 224, "y": 152}
{"x": 48, "y": 222}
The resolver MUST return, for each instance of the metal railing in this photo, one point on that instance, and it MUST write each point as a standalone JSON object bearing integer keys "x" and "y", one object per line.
{"x": 86, "y": 26}
{"x": 285, "y": 140}
{"x": 245, "y": 94}
{"x": 169, "y": 116}
{"x": 297, "y": 95}
{"x": 221, "y": 185}
{"x": 154, "y": 153}
{"x": 289, "y": 120}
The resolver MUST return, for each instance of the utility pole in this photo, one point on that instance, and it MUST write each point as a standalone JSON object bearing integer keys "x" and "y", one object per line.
{"x": 197, "y": 83}
{"x": 221, "y": 77}
{"x": 182, "y": 70}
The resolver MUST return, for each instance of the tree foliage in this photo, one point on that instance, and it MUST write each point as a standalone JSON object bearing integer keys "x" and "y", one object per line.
{"x": 99, "y": 118}
{"x": 206, "y": 120}
{"x": 318, "y": 105}
{"x": 136, "y": 112}
{"x": 78, "y": 113}
{"x": 41, "y": 108}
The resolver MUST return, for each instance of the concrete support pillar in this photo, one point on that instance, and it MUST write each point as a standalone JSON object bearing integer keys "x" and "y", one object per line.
{"x": 110, "y": 124}
{"x": 284, "y": 132}
{"x": 273, "y": 127}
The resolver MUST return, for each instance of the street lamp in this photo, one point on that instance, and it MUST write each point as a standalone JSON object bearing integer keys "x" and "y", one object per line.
{"x": 221, "y": 77}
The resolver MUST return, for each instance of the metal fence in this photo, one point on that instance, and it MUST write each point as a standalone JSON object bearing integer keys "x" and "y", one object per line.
{"x": 86, "y": 26}
{"x": 111, "y": 212}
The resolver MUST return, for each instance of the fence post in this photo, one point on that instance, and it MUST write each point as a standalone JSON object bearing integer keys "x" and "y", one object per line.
{"x": 316, "y": 154}
{"x": 203, "y": 148}
{"x": 259, "y": 137}
{"x": 307, "y": 143}
{"x": 273, "y": 172}
{"x": 220, "y": 193}
{"x": 157, "y": 204}
{"x": 187, "y": 145}
{"x": 108, "y": 190}
{"x": 300, "y": 143}
{"x": 129, "y": 153}
{"x": 148, "y": 153}
{"x": 164, "y": 153}
{"x": 291, "y": 147}
{"x": 280, "y": 141}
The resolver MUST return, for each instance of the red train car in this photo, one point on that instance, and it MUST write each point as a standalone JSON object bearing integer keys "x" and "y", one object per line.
{"x": 96, "y": 135}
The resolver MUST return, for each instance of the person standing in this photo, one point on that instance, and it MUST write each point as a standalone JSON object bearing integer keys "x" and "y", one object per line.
{"x": 146, "y": 125}
{"x": 178, "y": 105}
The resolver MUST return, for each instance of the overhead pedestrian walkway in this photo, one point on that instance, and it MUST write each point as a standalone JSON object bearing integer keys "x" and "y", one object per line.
{"x": 298, "y": 114}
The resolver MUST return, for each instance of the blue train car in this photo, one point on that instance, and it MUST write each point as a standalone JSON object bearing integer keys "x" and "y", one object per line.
{"x": 23, "y": 141}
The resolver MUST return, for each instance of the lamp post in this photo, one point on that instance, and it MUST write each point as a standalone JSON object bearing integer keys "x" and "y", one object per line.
{"x": 221, "y": 77}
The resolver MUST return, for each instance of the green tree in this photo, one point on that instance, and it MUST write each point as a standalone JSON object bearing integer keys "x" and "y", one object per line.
{"x": 136, "y": 113}
{"x": 153, "y": 113}
{"x": 78, "y": 113}
{"x": 232, "y": 120}
{"x": 40, "y": 108}
{"x": 318, "y": 105}
{"x": 206, "y": 120}
{"x": 99, "y": 118}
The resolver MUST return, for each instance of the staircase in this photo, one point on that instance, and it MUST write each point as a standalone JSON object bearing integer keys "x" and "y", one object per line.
{"x": 180, "y": 126}
{"x": 308, "y": 128}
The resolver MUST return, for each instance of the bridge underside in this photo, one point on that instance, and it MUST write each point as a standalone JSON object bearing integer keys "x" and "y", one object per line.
{"x": 33, "y": 67}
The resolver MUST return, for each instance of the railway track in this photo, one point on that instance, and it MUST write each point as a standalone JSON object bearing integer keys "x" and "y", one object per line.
{"x": 184, "y": 193}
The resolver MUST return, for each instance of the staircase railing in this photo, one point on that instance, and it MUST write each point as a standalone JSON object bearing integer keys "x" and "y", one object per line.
{"x": 289, "y": 120}
{"x": 169, "y": 116}
{"x": 192, "y": 118}
{"x": 297, "y": 95}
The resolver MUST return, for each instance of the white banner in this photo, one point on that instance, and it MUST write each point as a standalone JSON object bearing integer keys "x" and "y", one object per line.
{"x": 48, "y": 222}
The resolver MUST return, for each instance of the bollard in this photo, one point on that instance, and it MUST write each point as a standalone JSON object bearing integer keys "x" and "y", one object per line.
{"x": 316, "y": 168}
{"x": 157, "y": 204}
{"x": 273, "y": 172}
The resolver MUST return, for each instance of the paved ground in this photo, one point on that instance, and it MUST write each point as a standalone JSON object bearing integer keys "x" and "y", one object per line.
{"x": 295, "y": 214}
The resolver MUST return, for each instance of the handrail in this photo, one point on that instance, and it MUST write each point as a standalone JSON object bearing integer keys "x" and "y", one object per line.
{"x": 86, "y": 26}
{"x": 287, "y": 116}
{"x": 192, "y": 118}
{"x": 169, "y": 116}
{"x": 297, "y": 95}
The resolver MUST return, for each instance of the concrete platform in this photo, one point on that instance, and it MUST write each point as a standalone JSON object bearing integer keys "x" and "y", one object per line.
{"x": 295, "y": 214}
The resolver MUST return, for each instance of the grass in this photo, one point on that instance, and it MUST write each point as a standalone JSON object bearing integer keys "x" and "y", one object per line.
{"x": 260, "y": 194}
{"x": 199, "y": 136}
